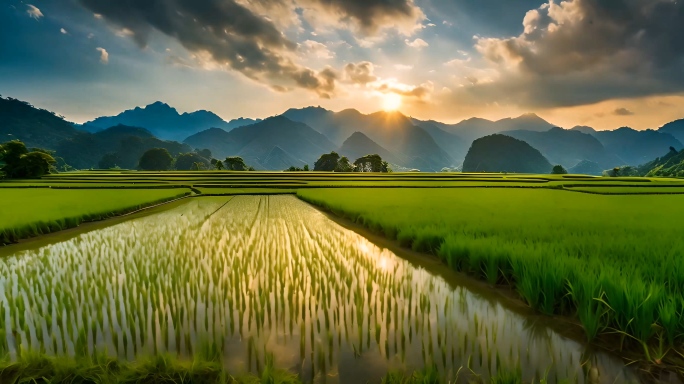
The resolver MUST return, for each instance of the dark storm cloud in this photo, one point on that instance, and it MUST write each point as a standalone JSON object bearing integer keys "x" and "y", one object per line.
{"x": 231, "y": 34}
{"x": 584, "y": 51}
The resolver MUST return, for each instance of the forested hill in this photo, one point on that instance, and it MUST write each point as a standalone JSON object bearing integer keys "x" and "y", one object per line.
{"x": 35, "y": 127}
{"x": 500, "y": 153}
{"x": 670, "y": 165}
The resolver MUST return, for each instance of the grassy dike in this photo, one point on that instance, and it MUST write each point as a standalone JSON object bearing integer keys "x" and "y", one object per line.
{"x": 40, "y": 369}
{"x": 612, "y": 262}
{"x": 26, "y": 213}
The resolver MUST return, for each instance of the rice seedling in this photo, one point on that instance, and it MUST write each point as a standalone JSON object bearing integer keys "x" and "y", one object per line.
{"x": 565, "y": 253}
{"x": 212, "y": 283}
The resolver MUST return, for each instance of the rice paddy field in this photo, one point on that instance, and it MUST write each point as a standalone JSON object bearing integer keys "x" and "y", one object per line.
{"x": 36, "y": 211}
{"x": 615, "y": 262}
{"x": 245, "y": 280}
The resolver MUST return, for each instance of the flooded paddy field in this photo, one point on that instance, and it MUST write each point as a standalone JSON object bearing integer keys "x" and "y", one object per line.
{"x": 258, "y": 280}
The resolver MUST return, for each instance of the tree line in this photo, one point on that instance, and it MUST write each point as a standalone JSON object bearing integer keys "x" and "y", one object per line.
{"x": 159, "y": 159}
{"x": 333, "y": 162}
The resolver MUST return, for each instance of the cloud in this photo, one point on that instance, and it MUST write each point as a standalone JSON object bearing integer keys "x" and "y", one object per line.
{"x": 363, "y": 74}
{"x": 104, "y": 55}
{"x": 577, "y": 52}
{"x": 223, "y": 34}
{"x": 623, "y": 112}
{"x": 63, "y": 31}
{"x": 403, "y": 67}
{"x": 417, "y": 43}
{"x": 367, "y": 17}
{"x": 34, "y": 12}
{"x": 360, "y": 73}
{"x": 419, "y": 92}
{"x": 316, "y": 49}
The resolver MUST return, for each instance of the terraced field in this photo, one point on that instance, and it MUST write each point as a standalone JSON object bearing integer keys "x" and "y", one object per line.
{"x": 604, "y": 253}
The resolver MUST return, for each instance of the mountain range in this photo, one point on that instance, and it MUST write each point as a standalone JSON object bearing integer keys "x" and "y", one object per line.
{"x": 300, "y": 136}
{"x": 165, "y": 122}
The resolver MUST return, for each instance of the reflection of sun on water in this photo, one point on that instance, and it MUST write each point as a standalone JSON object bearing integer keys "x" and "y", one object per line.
{"x": 391, "y": 102}
{"x": 384, "y": 263}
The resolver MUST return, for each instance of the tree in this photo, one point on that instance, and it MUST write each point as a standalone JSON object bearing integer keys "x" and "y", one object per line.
{"x": 156, "y": 159}
{"x": 204, "y": 153}
{"x": 306, "y": 167}
{"x": 371, "y": 163}
{"x": 218, "y": 164}
{"x": 559, "y": 170}
{"x": 235, "y": 163}
{"x": 344, "y": 165}
{"x": 35, "y": 164}
{"x": 10, "y": 155}
{"x": 327, "y": 162}
{"x": 186, "y": 161}
{"x": 109, "y": 161}
{"x": 18, "y": 162}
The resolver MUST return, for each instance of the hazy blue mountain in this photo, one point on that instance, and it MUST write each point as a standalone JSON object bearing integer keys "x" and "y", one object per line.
{"x": 528, "y": 122}
{"x": 165, "y": 122}
{"x": 36, "y": 127}
{"x": 567, "y": 147}
{"x": 254, "y": 143}
{"x": 634, "y": 147}
{"x": 586, "y": 167}
{"x": 675, "y": 128}
{"x": 86, "y": 149}
{"x": 218, "y": 141}
{"x": 501, "y": 153}
{"x": 391, "y": 130}
{"x": 474, "y": 128}
{"x": 584, "y": 129}
{"x": 468, "y": 130}
{"x": 452, "y": 144}
{"x": 359, "y": 145}
{"x": 295, "y": 138}
{"x": 278, "y": 159}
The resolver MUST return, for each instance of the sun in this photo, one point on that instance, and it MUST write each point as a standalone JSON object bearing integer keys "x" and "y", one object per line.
{"x": 391, "y": 102}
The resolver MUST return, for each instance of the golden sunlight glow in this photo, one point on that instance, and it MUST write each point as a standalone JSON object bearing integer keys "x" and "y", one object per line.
{"x": 391, "y": 102}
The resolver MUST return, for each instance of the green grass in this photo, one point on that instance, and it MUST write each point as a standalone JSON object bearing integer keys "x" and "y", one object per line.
{"x": 614, "y": 261}
{"x": 31, "y": 212}
{"x": 39, "y": 368}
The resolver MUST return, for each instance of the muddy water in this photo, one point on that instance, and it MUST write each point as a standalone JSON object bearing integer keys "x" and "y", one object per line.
{"x": 258, "y": 279}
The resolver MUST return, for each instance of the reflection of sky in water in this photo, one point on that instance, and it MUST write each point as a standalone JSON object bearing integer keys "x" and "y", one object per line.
{"x": 270, "y": 276}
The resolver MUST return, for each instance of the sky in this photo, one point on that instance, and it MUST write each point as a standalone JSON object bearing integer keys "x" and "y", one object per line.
{"x": 601, "y": 63}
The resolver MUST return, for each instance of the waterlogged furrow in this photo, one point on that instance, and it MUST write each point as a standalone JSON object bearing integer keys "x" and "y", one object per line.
{"x": 260, "y": 278}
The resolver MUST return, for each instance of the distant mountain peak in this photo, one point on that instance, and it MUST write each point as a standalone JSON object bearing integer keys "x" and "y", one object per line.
{"x": 160, "y": 106}
{"x": 349, "y": 112}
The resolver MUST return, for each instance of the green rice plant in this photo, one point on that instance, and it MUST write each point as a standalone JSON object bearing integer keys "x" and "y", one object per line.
{"x": 544, "y": 243}
{"x": 29, "y": 213}
{"x": 507, "y": 377}
{"x": 589, "y": 300}
{"x": 217, "y": 283}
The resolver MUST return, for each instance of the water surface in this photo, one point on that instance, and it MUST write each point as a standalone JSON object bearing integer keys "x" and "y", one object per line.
{"x": 253, "y": 279}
